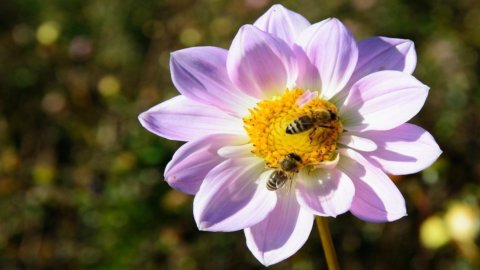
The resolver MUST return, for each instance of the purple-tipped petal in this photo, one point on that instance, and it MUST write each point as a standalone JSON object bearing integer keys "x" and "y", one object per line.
{"x": 325, "y": 193}
{"x": 260, "y": 63}
{"x": 381, "y": 53}
{"x": 403, "y": 150}
{"x": 193, "y": 160}
{"x": 308, "y": 75}
{"x": 282, "y": 233}
{"x": 182, "y": 119}
{"x": 376, "y": 199}
{"x": 233, "y": 196}
{"x": 282, "y": 23}
{"x": 200, "y": 73}
{"x": 383, "y": 100}
{"x": 333, "y": 50}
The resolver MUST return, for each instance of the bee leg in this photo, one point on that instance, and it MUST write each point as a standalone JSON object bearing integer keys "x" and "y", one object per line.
{"x": 311, "y": 135}
{"x": 290, "y": 182}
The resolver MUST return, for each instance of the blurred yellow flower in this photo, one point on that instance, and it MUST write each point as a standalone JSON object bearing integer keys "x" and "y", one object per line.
{"x": 434, "y": 233}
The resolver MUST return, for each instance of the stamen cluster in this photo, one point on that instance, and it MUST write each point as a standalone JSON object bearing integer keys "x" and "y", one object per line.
{"x": 266, "y": 126}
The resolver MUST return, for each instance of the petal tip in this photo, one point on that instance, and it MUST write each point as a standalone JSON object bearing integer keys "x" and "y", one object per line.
{"x": 202, "y": 224}
{"x": 247, "y": 27}
{"x": 410, "y": 44}
{"x": 141, "y": 117}
{"x": 397, "y": 216}
{"x": 168, "y": 177}
{"x": 333, "y": 20}
{"x": 267, "y": 263}
{"x": 174, "y": 57}
{"x": 279, "y": 6}
{"x": 268, "y": 260}
{"x": 144, "y": 119}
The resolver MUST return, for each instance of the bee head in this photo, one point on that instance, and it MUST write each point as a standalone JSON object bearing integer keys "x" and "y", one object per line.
{"x": 294, "y": 157}
{"x": 333, "y": 115}
{"x": 291, "y": 162}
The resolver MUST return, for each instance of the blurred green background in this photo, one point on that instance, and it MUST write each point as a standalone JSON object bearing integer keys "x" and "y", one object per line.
{"x": 81, "y": 182}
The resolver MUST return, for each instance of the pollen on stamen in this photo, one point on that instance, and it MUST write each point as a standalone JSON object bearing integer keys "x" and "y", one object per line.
{"x": 266, "y": 126}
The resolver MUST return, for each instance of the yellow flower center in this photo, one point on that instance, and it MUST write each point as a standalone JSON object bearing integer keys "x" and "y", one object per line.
{"x": 314, "y": 144}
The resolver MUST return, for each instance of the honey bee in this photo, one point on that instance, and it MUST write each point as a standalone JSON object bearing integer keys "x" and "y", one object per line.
{"x": 288, "y": 167}
{"x": 318, "y": 118}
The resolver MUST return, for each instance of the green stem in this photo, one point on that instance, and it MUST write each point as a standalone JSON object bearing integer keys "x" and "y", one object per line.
{"x": 328, "y": 248}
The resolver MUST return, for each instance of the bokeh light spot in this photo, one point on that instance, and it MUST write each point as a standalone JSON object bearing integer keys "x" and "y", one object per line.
{"x": 53, "y": 102}
{"x": 109, "y": 86}
{"x": 43, "y": 173}
{"x": 221, "y": 26}
{"x": 462, "y": 221}
{"x": 174, "y": 199}
{"x": 9, "y": 160}
{"x": 190, "y": 36}
{"x": 48, "y": 33}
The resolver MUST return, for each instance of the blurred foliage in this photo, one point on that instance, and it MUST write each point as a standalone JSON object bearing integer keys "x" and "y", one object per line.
{"x": 81, "y": 183}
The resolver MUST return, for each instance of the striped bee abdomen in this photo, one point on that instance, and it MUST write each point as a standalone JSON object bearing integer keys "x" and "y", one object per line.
{"x": 277, "y": 180}
{"x": 299, "y": 125}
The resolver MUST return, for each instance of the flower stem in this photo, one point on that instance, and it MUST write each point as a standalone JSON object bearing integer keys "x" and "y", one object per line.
{"x": 328, "y": 248}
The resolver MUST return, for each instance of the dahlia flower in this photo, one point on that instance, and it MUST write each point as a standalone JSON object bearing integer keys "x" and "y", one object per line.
{"x": 236, "y": 106}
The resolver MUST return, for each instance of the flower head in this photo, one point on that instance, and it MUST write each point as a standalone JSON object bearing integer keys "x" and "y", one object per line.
{"x": 294, "y": 120}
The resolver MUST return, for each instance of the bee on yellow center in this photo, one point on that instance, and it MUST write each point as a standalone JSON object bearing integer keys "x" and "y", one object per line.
{"x": 279, "y": 127}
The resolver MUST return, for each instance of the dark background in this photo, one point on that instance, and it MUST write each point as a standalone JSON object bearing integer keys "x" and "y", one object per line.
{"x": 81, "y": 182}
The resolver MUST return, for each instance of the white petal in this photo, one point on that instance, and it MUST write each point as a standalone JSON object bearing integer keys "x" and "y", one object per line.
{"x": 357, "y": 142}
{"x": 325, "y": 193}
{"x": 306, "y": 97}
{"x": 232, "y": 197}
{"x": 282, "y": 23}
{"x": 377, "y": 54}
{"x": 383, "y": 100}
{"x": 333, "y": 50}
{"x": 384, "y": 53}
{"x": 308, "y": 74}
{"x": 194, "y": 160}
{"x": 182, "y": 119}
{"x": 260, "y": 63}
{"x": 282, "y": 233}
{"x": 200, "y": 73}
{"x": 403, "y": 150}
{"x": 328, "y": 165}
{"x": 376, "y": 199}
{"x": 236, "y": 151}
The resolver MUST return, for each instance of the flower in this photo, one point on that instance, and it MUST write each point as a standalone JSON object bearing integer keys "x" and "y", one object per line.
{"x": 235, "y": 109}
